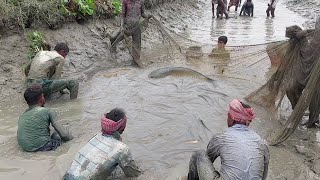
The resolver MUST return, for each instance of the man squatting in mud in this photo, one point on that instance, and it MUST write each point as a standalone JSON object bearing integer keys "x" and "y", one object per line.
{"x": 221, "y": 9}
{"x": 33, "y": 126}
{"x": 104, "y": 152}
{"x": 247, "y": 8}
{"x": 243, "y": 153}
{"x": 132, "y": 11}
{"x": 46, "y": 69}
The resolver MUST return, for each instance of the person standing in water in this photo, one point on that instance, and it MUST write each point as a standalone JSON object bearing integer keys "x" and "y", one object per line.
{"x": 271, "y": 8}
{"x": 235, "y": 3}
{"x": 132, "y": 11}
{"x": 221, "y": 9}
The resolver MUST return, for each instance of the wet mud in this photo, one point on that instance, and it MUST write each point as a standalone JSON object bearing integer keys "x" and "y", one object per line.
{"x": 169, "y": 117}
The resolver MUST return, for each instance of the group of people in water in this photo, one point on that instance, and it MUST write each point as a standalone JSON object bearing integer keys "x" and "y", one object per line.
{"x": 247, "y": 8}
{"x": 243, "y": 153}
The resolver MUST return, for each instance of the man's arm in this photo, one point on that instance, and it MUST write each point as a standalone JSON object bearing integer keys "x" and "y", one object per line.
{"x": 123, "y": 14}
{"x": 63, "y": 132}
{"x": 128, "y": 165}
{"x": 143, "y": 14}
{"x": 213, "y": 148}
{"x": 252, "y": 10}
{"x": 266, "y": 162}
{"x": 272, "y": 3}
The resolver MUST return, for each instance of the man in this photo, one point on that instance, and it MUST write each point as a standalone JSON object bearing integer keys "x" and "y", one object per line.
{"x": 132, "y": 11}
{"x": 213, "y": 3}
{"x": 235, "y": 3}
{"x": 243, "y": 153}
{"x": 33, "y": 126}
{"x": 221, "y": 9}
{"x": 220, "y": 54}
{"x": 104, "y": 152}
{"x": 46, "y": 69}
{"x": 271, "y": 8}
{"x": 247, "y": 8}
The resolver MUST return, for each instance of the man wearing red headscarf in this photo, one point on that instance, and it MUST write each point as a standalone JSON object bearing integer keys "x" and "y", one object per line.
{"x": 243, "y": 153}
{"x": 104, "y": 152}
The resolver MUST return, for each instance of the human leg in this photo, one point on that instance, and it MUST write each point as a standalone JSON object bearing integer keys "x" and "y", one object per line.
{"x": 200, "y": 167}
{"x": 314, "y": 110}
{"x": 268, "y": 11}
{"x": 52, "y": 86}
{"x": 53, "y": 144}
{"x": 272, "y": 11}
{"x": 136, "y": 45}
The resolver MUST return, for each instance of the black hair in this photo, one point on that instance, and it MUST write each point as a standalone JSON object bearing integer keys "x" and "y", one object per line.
{"x": 33, "y": 94}
{"x": 115, "y": 114}
{"x": 224, "y": 39}
{"x": 61, "y": 46}
{"x": 245, "y": 105}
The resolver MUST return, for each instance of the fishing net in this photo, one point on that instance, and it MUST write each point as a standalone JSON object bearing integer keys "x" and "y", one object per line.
{"x": 297, "y": 75}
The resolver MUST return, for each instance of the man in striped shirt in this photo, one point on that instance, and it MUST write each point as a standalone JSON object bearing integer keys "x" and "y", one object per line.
{"x": 104, "y": 152}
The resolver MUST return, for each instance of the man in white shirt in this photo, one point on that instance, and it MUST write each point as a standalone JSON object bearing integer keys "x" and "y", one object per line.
{"x": 271, "y": 7}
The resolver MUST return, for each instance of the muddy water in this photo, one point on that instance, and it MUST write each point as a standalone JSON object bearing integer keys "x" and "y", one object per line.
{"x": 168, "y": 118}
{"x": 242, "y": 30}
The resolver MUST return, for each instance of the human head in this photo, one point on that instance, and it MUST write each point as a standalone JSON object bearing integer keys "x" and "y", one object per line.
{"x": 34, "y": 95}
{"x": 115, "y": 120}
{"x": 222, "y": 41}
{"x": 239, "y": 113}
{"x": 62, "y": 49}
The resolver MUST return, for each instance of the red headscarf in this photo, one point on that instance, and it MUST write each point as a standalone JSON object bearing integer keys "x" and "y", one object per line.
{"x": 240, "y": 114}
{"x": 109, "y": 126}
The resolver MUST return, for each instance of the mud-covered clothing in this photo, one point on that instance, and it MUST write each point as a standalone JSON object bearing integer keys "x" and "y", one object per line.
{"x": 132, "y": 11}
{"x": 221, "y": 9}
{"x": 243, "y": 153}
{"x": 221, "y": 58}
{"x": 99, "y": 157}
{"x": 247, "y": 8}
{"x": 235, "y": 3}
{"x": 33, "y": 128}
{"x": 46, "y": 65}
{"x": 52, "y": 86}
{"x": 46, "y": 69}
{"x": 201, "y": 168}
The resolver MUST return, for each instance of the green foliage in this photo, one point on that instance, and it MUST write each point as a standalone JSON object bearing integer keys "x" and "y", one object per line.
{"x": 86, "y": 7}
{"x": 117, "y": 6}
{"x": 37, "y": 43}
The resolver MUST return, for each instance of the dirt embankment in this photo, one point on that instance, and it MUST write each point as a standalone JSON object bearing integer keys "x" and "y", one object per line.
{"x": 306, "y": 8}
{"x": 89, "y": 47}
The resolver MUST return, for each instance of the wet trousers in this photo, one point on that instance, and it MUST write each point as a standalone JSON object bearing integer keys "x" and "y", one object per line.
{"x": 51, "y": 86}
{"x": 135, "y": 33}
{"x": 53, "y": 144}
{"x": 201, "y": 168}
{"x": 270, "y": 9}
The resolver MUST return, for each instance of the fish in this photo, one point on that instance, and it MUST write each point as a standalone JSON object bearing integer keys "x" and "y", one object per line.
{"x": 177, "y": 71}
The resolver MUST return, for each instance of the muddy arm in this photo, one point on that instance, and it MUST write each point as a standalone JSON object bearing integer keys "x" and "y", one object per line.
{"x": 266, "y": 162}
{"x": 252, "y": 10}
{"x": 63, "y": 132}
{"x": 128, "y": 165}
{"x": 213, "y": 149}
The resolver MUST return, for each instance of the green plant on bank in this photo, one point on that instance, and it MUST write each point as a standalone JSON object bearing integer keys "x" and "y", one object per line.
{"x": 37, "y": 43}
{"x": 86, "y": 7}
{"x": 117, "y": 6}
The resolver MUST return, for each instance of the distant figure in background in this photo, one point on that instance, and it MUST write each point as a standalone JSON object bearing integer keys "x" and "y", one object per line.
{"x": 213, "y": 2}
{"x": 220, "y": 54}
{"x": 235, "y": 3}
{"x": 247, "y": 8}
{"x": 271, "y": 8}
{"x": 221, "y": 9}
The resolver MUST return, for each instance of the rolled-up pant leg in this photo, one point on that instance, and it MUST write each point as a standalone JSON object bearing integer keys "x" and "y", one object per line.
{"x": 200, "y": 167}
{"x": 52, "y": 86}
{"x": 136, "y": 39}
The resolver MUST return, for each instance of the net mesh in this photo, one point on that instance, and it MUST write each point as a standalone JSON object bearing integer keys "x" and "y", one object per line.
{"x": 297, "y": 74}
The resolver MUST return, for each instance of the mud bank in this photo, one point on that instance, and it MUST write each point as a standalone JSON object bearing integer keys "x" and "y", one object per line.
{"x": 306, "y": 8}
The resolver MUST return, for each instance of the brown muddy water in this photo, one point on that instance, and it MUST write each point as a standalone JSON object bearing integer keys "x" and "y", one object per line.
{"x": 168, "y": 118}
